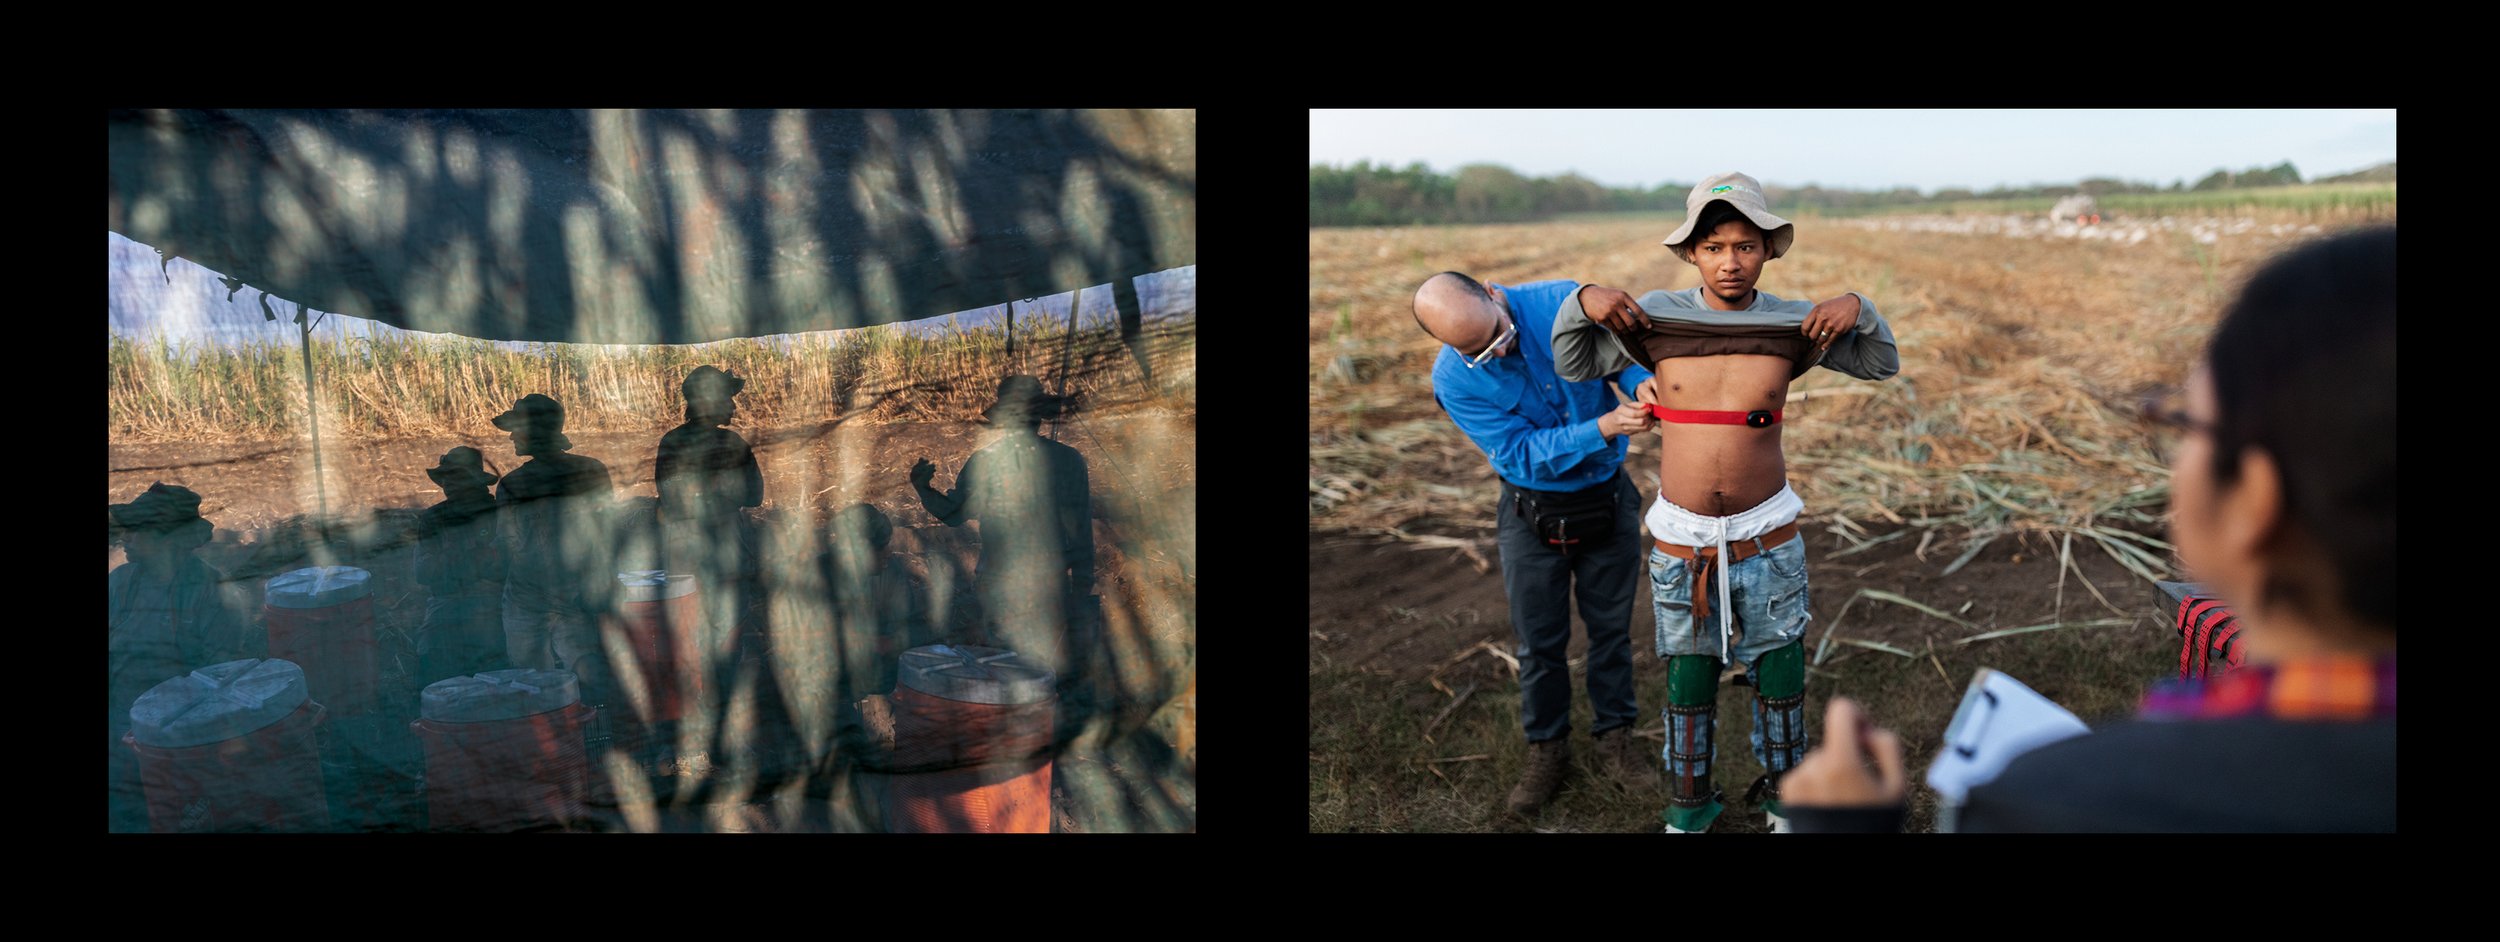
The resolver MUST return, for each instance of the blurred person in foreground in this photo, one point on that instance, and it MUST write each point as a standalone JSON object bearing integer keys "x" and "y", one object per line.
{"x": 1567, "y": 515}
{"x": 2283, "y": 502}
{"x": 1728, "y": 570}
{"x": 171, "y": 614}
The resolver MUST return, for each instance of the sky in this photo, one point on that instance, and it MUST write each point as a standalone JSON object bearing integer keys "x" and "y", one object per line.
{"x": 1864, "y": 150}
{"x": 184, "y": 301}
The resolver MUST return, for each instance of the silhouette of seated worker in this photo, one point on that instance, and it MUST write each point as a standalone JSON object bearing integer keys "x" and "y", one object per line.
{"x": 1036, "y": 574}
{"x": 460, "y": 561}
{"x": 551, "y": 512}
{"x": 171, "y": 614}
{"x": 707, "y": 477}
{"x": 878, "y": 613}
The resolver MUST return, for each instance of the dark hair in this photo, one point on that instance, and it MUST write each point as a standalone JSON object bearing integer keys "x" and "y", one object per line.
{"x": 1462, "y": 279}
{"x": 1713, "y": 215}
{"x": 2304, "y": 369}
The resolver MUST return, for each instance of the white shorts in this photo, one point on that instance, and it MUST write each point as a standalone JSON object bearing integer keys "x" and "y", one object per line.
{"x": 1672, "y": 524}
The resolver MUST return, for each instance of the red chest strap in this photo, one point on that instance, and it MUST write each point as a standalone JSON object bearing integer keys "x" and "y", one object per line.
{"x": 1758, "y": 418}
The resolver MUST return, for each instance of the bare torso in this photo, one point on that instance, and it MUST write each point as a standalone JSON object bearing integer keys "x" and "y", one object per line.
{"x": 1721, "y": 469}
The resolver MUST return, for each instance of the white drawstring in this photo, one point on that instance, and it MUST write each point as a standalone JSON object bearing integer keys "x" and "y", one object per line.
{"x": 1724, "y": 615}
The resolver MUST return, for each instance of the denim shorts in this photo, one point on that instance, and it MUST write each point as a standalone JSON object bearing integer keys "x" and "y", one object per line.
{"x": 1769, "y": 603}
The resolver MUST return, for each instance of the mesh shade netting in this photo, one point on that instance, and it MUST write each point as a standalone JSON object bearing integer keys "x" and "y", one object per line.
{"x": 506, "y": 775}
{"x": 974, "y": 767}
{"x": 335, "y": 645}
{"x": 267, "y": 780}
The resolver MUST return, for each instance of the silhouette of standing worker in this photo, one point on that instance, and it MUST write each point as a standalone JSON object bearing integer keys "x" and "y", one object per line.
{"x": 1036, "y": 573}
{"x": 707, "y": 476}
{"x": 557, "y": 570}
{"x": 169, "y": 617}
{"x": 460, "y": 560}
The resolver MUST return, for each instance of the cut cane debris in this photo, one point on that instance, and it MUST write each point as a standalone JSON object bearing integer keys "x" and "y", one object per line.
{"x": 1883, "y": 596}
{"x": 1878, "y": 646}
{"x": 1437, "y": 718}
{"x": 2027, "y": 629}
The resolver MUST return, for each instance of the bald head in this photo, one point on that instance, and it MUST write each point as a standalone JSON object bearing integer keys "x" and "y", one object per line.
{"x": 1458, "y": 311}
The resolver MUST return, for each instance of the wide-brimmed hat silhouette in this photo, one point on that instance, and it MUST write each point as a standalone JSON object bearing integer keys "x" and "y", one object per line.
{"x": 461, "y": 467}
{"x": 1022, "y": 401}
{"x": 162, "y": 508}
{"x": 538, "y": 415}
{"x": 711, "y": 382}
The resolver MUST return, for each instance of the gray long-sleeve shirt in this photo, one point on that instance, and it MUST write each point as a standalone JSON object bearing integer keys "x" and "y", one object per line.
{"x": 1584, "y": 350}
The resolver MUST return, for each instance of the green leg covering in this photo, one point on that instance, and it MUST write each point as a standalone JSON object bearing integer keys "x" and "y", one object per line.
{"x": 1779, "y": 714}
{"x": 1692, "y": 711}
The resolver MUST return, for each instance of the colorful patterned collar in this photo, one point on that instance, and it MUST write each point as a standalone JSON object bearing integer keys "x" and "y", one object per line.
{"x": 2335, "y": 688}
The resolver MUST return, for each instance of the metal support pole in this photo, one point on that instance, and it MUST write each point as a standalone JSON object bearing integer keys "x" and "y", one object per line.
{"x": 312, "y": 412}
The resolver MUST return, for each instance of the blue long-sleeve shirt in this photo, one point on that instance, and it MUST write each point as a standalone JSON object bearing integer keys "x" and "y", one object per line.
{"x": 1539, "y": 431}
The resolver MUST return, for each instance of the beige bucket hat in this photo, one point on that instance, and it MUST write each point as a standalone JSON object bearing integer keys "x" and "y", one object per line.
{"x": 1741, "y": 192}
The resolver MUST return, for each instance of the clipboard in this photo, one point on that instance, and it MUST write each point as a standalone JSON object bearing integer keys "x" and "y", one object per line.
{"x": 1999, "y": 718}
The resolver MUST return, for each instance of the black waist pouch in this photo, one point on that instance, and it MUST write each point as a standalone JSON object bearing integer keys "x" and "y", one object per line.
{"x": 1568, "y": 521}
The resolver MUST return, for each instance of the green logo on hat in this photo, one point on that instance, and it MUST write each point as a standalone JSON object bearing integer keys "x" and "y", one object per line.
{"x": 1722, "y": 189}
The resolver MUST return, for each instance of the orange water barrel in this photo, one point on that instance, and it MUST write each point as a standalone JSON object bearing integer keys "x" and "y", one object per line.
{"x": 662, "y": 616}
{"x": 322, "y": 618}
{"x": 503, "y": 750}
{"x": 231, "y": 747}
{"x": 972, "y": 741}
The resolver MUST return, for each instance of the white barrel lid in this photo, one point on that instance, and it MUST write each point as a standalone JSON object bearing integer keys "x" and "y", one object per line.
{"x": 217, "y": 703}
{"x": 974, "y": 674}
{"x": 499, "y": 695}
{"x": 319, "y": 587}
{"x": 646, "y": 585}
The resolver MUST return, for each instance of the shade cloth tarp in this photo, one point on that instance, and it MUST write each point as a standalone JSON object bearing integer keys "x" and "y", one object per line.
{"x": 660, "y": 226}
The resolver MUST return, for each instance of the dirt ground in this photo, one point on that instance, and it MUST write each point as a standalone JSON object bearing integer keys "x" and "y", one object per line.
{"x": 1129, "y": 771}
{"x": 1396, "y": 630}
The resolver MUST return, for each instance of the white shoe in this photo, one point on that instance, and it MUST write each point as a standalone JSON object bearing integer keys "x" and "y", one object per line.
{"x": 1779, "y": 825}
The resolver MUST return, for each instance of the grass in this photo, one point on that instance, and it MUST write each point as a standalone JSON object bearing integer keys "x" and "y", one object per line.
{"x": 1371, "y": 769}
{"x": 161, "y": 391}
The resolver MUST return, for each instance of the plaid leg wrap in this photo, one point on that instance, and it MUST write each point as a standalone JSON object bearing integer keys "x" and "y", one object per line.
{"x": 1690, "y": 732}
{"x": 1692, "y": 729}
{"x": 1782, "y": 721}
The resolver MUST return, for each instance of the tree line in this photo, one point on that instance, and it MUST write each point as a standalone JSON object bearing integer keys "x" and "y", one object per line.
{"x": 1366, "y": 195}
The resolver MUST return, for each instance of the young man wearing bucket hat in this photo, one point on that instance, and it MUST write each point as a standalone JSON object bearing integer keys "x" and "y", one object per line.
{"x": 1567, "y": 514}
{"x": 171, "y": 613}
{"x": 1033, "y": 498}
{"x": 1727, "y": 567}
{"x": 460, "y": 561}
{"x": 552, "y": 512}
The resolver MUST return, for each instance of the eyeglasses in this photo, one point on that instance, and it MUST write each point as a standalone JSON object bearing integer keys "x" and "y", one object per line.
{"x": 2166, "y": 409}
{"x": 1507, "y": 332}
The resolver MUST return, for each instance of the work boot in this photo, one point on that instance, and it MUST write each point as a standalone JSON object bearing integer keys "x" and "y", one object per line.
{"x": 1543, "y": 777}
{"x": 1627, "y": 761}
{"x": 1765, "y": 794}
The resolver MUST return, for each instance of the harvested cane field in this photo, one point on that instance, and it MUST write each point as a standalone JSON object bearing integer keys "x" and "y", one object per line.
{"x": 831, "y": 426}
{"x": 1994, "y": 505}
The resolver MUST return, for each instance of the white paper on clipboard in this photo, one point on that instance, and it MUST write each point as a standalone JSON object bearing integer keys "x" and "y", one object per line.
{"x": 1999, "y": 719}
